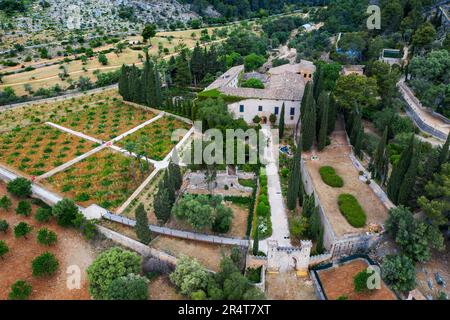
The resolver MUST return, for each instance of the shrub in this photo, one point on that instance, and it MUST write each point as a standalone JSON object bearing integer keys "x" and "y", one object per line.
{"x": 20, "y": 290}
{"x": 44, "y": 265}
{"x": 222, "y": 220}
{"x": 399, "y": 272}
{"x": 43, "y": 214}
{"x": 21, "y": 230}
{"x": 20, "y": 187}
{"x": 65, "y": 212}
{"x": 46, "y": 237}
{"x": 253, "y": 274}
{"x": 189, "y": 276}
{"x": 329, "y": 176}
{"x": 343, "y": 297}
{"x": 4, "y": 249}
{"x": 129, "y": 287}
{"x": 4, "y": 226}
{"x": 23, "y": 208}
{"x": 360, "y": 281}
{"x": 298, "y": 226}
{"x": 253, "y": 83}
{"x": 352, "y": 210}
{"x": 5, "y": 203}
{"x": 262, "y": 209}
{"x": 109, "y": 266}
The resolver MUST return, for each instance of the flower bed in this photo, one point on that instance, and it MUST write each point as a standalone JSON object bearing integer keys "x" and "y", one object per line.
{"x": 263, "y": 221}
{"x": 329, "y": 176}
{"x": 352, "y": 210}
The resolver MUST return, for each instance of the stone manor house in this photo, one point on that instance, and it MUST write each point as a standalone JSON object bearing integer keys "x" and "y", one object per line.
{"x": 282, "y": 84}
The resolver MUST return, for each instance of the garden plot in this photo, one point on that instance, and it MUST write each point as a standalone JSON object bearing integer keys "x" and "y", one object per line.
{"x": 35, "y": 150}
{"x": 337, "y": 282}
{"x": 105, "y": 120}
{"x": 48, "y": 111}
{"x": 106, "y": 178}
{"x": 155, "y": 139}
{"x": 336, "y": 155}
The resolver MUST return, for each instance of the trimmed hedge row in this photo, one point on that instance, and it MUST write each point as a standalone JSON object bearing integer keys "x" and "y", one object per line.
{"x": 352, "y": 210}
{"x": 329, "y": 176}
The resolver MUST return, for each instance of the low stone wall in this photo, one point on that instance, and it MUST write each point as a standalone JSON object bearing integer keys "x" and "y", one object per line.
{"x": 317, "y": 286}
{"x": 134, "y": 245}
{"x": 255, "y": 261}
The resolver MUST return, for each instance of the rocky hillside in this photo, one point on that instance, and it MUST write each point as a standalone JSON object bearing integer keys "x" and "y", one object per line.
{"x": 109, "y": 15}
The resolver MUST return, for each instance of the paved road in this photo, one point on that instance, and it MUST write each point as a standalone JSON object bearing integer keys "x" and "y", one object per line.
{"x": 424, "y": 120}
{"x": 280, "y": 225}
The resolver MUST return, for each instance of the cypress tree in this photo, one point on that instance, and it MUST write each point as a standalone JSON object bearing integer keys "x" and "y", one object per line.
{"x": 306, "y": 96}
{"x": 322, "y": 101}
{"x": 308, "y": 129}
{"x": 399, "y": 171}
{"x": 168, "y": 184}
{"x": 175, "y": 174}
{"x": 322, "y": 139}
{"x": 294, "y": 179}
{"x": 355, "y": 128}
{"x": 301, "y": 191}
{"x": 162, "y": 204}
{"x": 141, "y": 227}
{"x": 380, "y": 158}
{"x": 358, "y": 142}
{"x": 332, "y": 112}
{"x": 318, "y": 83}
{"x": 408, "y": 181}
{"x": 443, "y": 155}
{"x": 197, "y": 66}
{"x": 309, "y": 203}
{"x": 281, "y": 122}
{"x": 319, "y": 245}
{"x": 256, "y": 241}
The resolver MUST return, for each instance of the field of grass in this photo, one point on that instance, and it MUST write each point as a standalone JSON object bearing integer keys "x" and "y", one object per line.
{"x": 155, "y": 139}
{"x": 105, "y": 178}
{"x": 105, "y": 120}
{"x": 37, "y": 149}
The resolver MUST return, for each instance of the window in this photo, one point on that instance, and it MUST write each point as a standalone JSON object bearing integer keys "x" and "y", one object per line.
{"x": 292, "y": 111}
{"x": 310, "y": 76}
{"x": 259, "y": 108}
{"x": 241, "y": 108}
{"x": 276, "y": 110}
{"x": 292, "y": 117}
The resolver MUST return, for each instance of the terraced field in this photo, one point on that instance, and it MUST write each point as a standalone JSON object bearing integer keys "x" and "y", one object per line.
{"x": 106, "y": 178}
{"x": 35, "y": 150}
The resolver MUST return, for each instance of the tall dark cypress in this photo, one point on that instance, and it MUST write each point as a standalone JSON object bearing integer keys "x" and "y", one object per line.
{"x": 294, "y": 179}
{"x": 141, "y": 228}
{"x": 399, "y": 171}
{"x": 318, "y": 83}
{"x": 322, "y": 138}
{"x": 197, "y": 65}
{"x": 309, "y": 124}
{"x": 409, "y": 180}
{"x": 332, "y": 113}
{"x": 281, "y": 122}
{"x": 380, "y": 162}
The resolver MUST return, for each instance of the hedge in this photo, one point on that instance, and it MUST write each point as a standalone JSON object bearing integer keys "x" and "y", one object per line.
{"x": 352, "y": 210}
{"x": 329, "y": 176}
